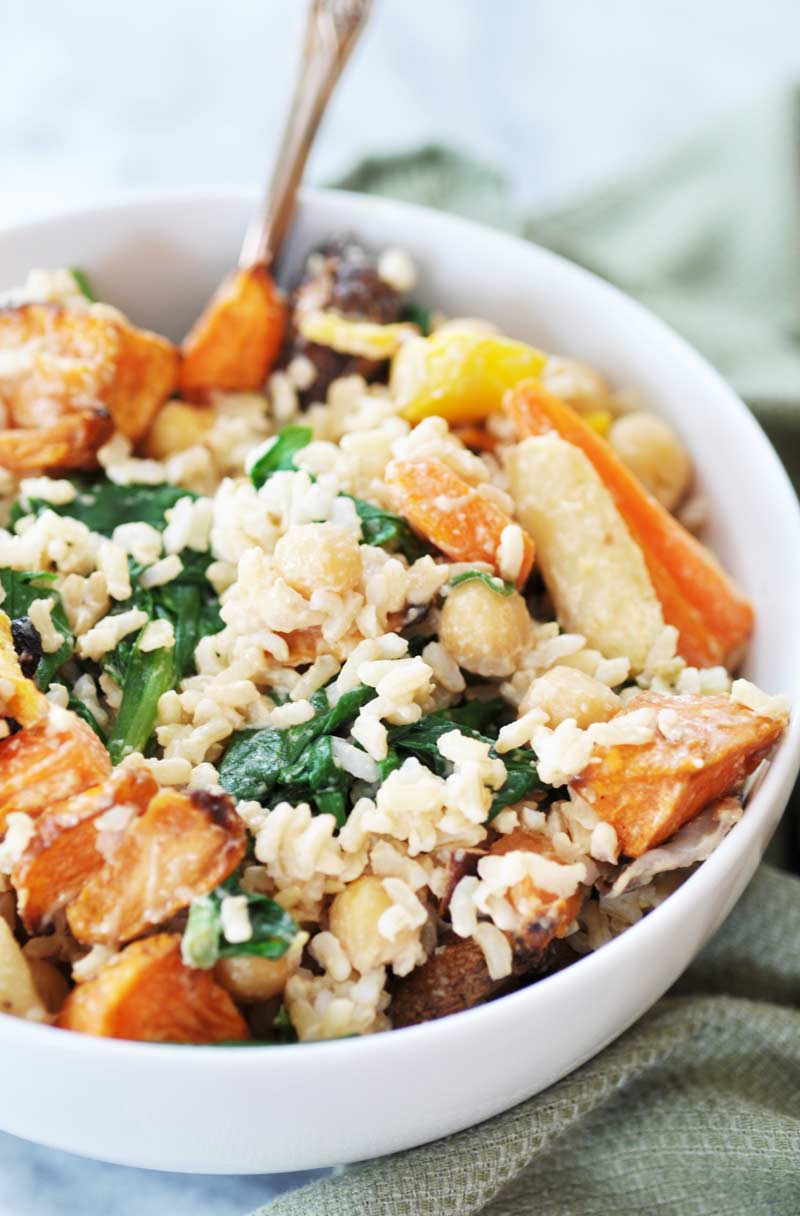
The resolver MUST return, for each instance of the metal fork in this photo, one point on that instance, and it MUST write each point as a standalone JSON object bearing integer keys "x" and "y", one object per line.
{"x": 332, "y": 31}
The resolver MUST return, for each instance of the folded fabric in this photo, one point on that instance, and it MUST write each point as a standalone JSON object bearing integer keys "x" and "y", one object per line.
{"x": 696, "y": 1110}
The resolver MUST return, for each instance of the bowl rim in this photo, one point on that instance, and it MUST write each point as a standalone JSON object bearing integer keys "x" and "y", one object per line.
{"x": 576, "y": 979}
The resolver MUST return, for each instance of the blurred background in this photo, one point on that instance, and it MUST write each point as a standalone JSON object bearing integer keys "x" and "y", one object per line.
{"x": 101, "y": 98}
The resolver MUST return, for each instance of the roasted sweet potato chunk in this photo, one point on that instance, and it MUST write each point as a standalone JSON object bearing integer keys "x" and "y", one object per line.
{"x": 78, "y": 375}
{"x": 456, "y": 977}
{"x": 235, "y": 341}
{"x": 25, "y": 704}
{"x": 184, "y": 845}
{"x": 445, "y": 509}
{"x": 71, "y": 443}
{"x": 55, "y": 758}
{"x": 145, "y": 375}
{"x": 647, "y": 791}
{"x": 67, "y": 846}
{"x": 147, "y": 993}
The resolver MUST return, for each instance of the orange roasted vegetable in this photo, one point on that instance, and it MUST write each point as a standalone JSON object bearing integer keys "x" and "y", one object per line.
{"x": 71, "y": 443}
{"x": 74, "y": 370}
{"x": 67, "y": 848}
{"x": 647, "y": 791}
{"x": 450, "y": 513}
{"x": 147, "y": 993}
{"x": 712, "y": 616}
{"x": 184, "y": 845}
{"x": 235, "y": 341}
{"x": 25, "y": 704}
{"x": 59, "y": 755}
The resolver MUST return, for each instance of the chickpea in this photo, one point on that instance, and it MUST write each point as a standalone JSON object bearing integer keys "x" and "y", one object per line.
{"x": 653, "y": 453}
{"x": 580, "y": 385}
{"x": 250, "y": 979}
{"x": 354, "y": 917}
{"x": 50, "y": 984}
{"x": 485, "y": 632}
{"x": 177, "y": 426}
{"x": 319, "y": 555}
{"x": 565, "y": 692}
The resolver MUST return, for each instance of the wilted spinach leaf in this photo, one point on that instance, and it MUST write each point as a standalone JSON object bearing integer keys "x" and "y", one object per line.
{"x": 295, "y": 763}
{"x": 280, "y": 455}
{"x": 498, "y": 585}
{"x": 102, "y": 505}
{"x": 21, "y": 589}
{"x": 204, "y": 943}
{"x": 387, "y": 530}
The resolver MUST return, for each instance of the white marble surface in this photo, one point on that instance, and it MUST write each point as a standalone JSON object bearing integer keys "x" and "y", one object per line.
{"x": 101, "y": 98}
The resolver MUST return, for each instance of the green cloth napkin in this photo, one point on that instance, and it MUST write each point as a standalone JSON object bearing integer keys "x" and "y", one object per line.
{"x": 696, "y": 1110}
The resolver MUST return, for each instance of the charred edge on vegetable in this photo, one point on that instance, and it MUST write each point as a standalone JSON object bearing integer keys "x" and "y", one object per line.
{"x": 218, "y": 807}
{"x": 27, "y": 644}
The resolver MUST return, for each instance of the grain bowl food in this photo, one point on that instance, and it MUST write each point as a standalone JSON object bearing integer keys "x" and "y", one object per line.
{"x": 357, "y": 664}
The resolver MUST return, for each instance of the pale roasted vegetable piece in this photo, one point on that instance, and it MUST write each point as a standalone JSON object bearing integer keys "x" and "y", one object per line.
{"x": 25, "y": 704}
{"x": 713, "y": 618}
{"x": 176, "y": 426}
{"x": 18, "y": 994}
{"x": 236, "y": 339}
{"x": 184, "y": 845}
{"x": 654, "y": 454}
{"x": 486, "y": 632}
{"x": 453, "y": 515}
{"x": 367, "y": 339}
{"x": 147, "y": 993}
{"x": 251, "y": 979}
{"x": 647, "y": 791}
{"x": 70, "y": 371}
{"x": 594, "y": 571}
{"x": 460, "y": 375}
{"x": 69, "y": 843}
{"x": 59, "y": 755}
{"x": 565, "y": 692}
{"x": 456, "y": 976}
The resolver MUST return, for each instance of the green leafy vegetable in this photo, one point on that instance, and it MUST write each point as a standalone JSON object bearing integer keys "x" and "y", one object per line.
{"x": 421, "y": 740}
{"x": 188, "y": 602}
{"x": 498, "y": 585}
{"x": 280, "y": 455}
{"x": 296, "y": 763}
{"x": 84, "y": 286}
{"x": 204, "y": 943}
{"x": 387, "y": 530}
{"x": 21, "y": 588}
{"x": 417, "y": 314}
{"x": 102, "y": 505}
{"x": 84, "y": 712}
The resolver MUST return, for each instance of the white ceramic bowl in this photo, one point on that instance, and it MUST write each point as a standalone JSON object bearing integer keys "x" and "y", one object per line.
{"x": 242, "y": 1110}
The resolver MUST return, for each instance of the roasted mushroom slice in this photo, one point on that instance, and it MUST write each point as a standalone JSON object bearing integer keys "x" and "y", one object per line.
{"x": 184, "y": 845}
{"x": 147, "y": 993}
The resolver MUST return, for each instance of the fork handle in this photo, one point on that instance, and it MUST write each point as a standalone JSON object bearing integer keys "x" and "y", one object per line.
{"x": 332, "y": 31}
